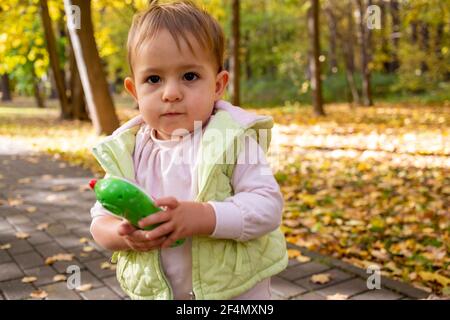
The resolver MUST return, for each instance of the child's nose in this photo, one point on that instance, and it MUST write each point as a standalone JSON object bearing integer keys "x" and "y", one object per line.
{"x": 172, "y": 92}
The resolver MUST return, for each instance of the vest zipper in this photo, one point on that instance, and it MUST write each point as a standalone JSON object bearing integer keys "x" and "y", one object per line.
{"x": 164, "y": 275}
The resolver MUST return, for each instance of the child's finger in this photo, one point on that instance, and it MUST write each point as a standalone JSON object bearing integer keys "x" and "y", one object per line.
{"x": 170, "y": 202}
{"x": 154, "y": 218}
{"x": 125, "y": 228}
{"x": 160, "y": 231}
{"x": 168, "y": 242}
{"x": 137, "y": 236}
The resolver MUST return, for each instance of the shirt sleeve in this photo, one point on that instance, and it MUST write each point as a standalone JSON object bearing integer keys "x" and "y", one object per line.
{"x": 98, "y": 210}
{"x": 256, "y": 207}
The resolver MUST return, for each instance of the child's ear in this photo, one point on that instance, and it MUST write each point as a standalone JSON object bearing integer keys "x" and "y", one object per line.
{"x": 221, "y": 83}
{"x": 129, "y": 86}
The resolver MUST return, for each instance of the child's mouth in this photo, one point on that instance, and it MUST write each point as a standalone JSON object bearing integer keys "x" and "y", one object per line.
{"x": 172, "y": 114}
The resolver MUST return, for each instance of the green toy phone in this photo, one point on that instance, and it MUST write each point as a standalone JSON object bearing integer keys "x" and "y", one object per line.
{"x": 126, "y": 200}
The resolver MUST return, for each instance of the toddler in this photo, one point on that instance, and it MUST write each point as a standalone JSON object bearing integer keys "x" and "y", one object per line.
{"x": 201, "y": 159}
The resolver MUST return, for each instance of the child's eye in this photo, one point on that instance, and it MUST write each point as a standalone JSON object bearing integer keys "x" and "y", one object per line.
{"x": 190, "y": 76}
{"x": 153, "y": 79}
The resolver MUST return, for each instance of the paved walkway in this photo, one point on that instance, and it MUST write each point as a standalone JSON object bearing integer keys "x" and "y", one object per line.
{"x": 36, "y": 189}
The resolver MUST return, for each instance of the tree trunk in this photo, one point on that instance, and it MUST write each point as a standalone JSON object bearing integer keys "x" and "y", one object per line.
{"x": 248, "y": 64}
{"x": 77, "y": 103}
{"x": 332, "y": 26}
{"x": 395, "y": 15}
{"x": 99, "y": 101}
{"x": 6, "y": 90}
{"x": 36, "y": 90}
{"x": 54, "y": 59}
{"x": 316, "y": 82}
{"x": 349, "y": 57}
{"x": 365, "y": 48}
{"x": 234, "y": 59}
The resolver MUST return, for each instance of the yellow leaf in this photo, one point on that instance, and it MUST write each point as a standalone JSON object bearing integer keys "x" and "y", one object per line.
{"x": 430, "y": 276}
{"x": 337, "y": 296}
{"x": 22, "y": 235}
{"x": 42, "y": 226}
{"x": 321, "y": 278}
{"x": 302, "y": 258}
{"x": 59, "y": 277}
{"x": 40, "y": 294}
{"x": 85, "y": 287}
{"x": 5, "y": 246}
{"x": 293, "y": 253}
{"x": 88, "y": 249}
{"x": 28, "y": 279}
{"x": 59, "y": 257}
{"x": 31, "y": 209}
{"x": 84, "y": 240}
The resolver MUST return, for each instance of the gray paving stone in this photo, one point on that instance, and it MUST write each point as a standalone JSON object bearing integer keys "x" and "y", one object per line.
{"x": 103, "y": 293}
{"x": 28, "y": 227}
{"x": 336, "y": 276}
{"x": 61, "y": 266}
{"x": 88, "y": 277}
{"x": 85, "y": 256}
{"x": 39, "y": 237}
{"x": 57, "y": 229}
{"x": 285, "y": 288}
{"x": 16, "y": 289}
{"x": 114, "y": 285}
{"x": 10, "y": 270}
{"x": 44, "y": 275}
{"x": 68, "y": 241}
{"x": 350, "y": 287}
{"x": 29, "y": 260}
{"x": 19, "y": 247}
{"x": 49, "y": 249}
{"x": 303, "y": 270}
{"x": 4, "y": 256}
{"x": 4, "y": 224}
{"x": 18, "y": 219}
{"x": 377, "y": 294}
{"x": 59, "y": 291}
{"x": 309, "y": 296}
{"x": 94, "y": 267}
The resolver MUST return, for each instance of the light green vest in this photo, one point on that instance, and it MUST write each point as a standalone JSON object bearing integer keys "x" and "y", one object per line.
{"x": 221, "y": 268}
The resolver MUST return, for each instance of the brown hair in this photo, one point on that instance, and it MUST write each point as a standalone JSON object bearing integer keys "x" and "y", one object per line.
{"x": 179, "y": 18}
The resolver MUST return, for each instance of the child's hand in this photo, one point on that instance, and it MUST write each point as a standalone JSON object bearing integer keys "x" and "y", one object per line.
{"x": 181, "y": 219}
{"x": 136, "y": 240}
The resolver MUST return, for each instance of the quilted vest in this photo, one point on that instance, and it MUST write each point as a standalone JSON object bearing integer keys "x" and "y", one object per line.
{"x": 221, "y": 268}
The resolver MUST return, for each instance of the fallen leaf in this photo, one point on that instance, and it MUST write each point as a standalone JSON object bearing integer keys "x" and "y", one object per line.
{"x": 107, "y": 265}
{"x": 321, "y": 278}
{"x": 40, "y": 294}
{"x": 84, "y": 287}
{"x": 293, "y": 253}
{"x": 24, "y": 180}
{"x": 303, "y": 259}
{"x": 31, "y": 209}
{"x": 42, "y": 226}
{"x": 430, "y": 276}
{"x": 22, "y": 235}
{"x": 88, "y": 249}
{"x": 59, "y": 277}
{"x": 5, "y": 246}
{"x": 59, "y": 188}
{"x": 15, "y": 202}
{"x": 28, "y": 279}
{"x": 337, "y": 296}
{"x": 84, "y": 240}
{"x": 59, "y": 257}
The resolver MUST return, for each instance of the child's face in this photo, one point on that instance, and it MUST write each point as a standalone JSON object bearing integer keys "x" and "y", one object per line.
{"x": 174, "y": 87}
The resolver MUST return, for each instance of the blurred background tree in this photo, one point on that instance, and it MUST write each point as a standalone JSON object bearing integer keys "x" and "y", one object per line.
{"x": 408, "y": 55}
